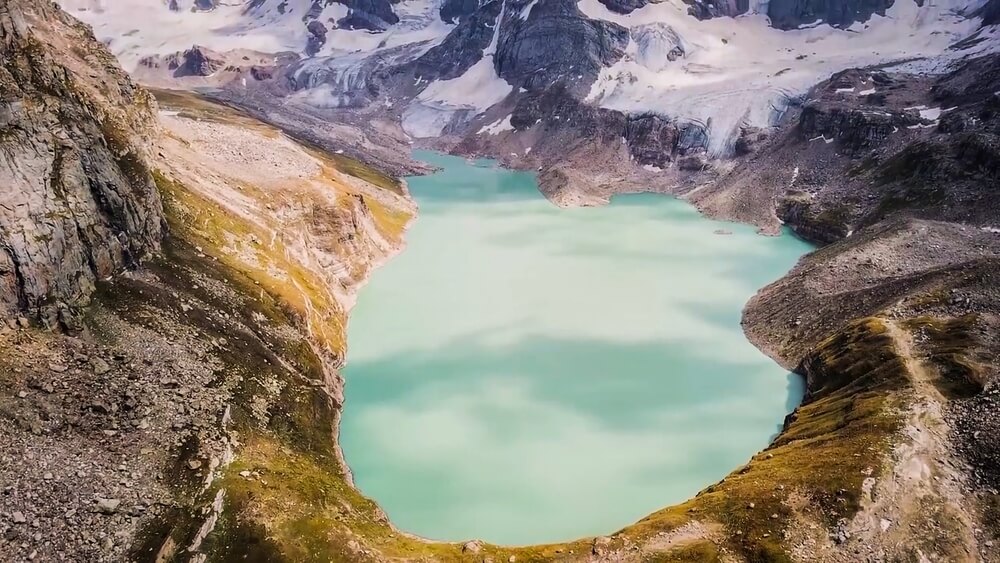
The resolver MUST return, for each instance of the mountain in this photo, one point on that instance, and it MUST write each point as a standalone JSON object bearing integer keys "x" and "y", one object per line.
{"x": 159, "y": 267}
{"x": 719, "y": 67}
{"x": 79, "y": 200}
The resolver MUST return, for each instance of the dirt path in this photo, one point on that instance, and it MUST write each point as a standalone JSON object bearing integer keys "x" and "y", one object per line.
{"x": 917, "y": 509}
{"x": 913, "y": 505}
{"x": 921, "y": 378}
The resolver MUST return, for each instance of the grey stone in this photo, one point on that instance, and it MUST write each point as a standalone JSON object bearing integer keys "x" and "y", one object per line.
{"x": 557, "y": 44}
{"x": 100, "y": 366}
{"x": 79, "y": 199}
{"x": 108, "y": 505}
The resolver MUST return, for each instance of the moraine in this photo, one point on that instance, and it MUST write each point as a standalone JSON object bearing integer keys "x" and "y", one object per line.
{"x": 523, "y": 373}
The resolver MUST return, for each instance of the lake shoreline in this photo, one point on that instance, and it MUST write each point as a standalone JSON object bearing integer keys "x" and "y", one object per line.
{"x": 489, "y": 167}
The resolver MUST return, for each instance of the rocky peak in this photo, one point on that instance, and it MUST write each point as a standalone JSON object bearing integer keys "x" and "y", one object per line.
{"x": 553, "y": 42}
{"x": 705, "y": 9}
{"x": 193, "y": 5}
{"x": 77, "y": 200}
{"x": 789, "y": 14}
{"x": 197, "y": 61}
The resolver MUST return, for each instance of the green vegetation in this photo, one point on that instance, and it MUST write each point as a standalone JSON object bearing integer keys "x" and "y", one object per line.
{"x": 836, "y": 219}
{"x": 836, "y": 439}
{"x": 193, "y": 106}
{"x": 236, "y": 242}
{"x": 391, "y": 222}
{"x": 358, "y": 169}
{"x": 951, "y": 345}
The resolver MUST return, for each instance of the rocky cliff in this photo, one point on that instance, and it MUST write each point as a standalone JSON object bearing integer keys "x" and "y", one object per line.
{"x": 127, "y": 437}
{"x": 78, "y": 199}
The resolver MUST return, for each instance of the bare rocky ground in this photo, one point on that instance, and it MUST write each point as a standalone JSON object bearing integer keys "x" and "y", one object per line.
{"x": 93, "y": 426}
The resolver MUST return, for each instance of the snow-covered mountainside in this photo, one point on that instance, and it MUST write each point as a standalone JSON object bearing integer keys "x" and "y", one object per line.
{"x": 721, "y": 67}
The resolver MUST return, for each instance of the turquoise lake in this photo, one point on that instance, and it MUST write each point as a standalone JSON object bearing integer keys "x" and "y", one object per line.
{"x": 524, "y": 374}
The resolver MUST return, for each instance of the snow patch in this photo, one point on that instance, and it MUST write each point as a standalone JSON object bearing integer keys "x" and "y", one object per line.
{"x": 931, "y": 113}
{"x": 823, "y": 137}
{"x": 526, "y": 11}
{"x": 498, "y": 126}
{"x": 478, "y": 88}
{"x": 474, "y": 91}
{"x": 739, "y": 72}
{"x": 134, "y": 29}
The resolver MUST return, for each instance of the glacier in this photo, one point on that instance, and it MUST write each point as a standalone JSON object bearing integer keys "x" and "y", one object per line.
{"x": 722, "y": 74}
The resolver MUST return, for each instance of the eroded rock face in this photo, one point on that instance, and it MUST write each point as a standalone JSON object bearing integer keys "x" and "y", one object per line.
{"x": 556, "y": 44}
{"x": 651, "y": 139}
{"x": 197, "y": 61}
{"x": 77, "y": 201}
{"x": 789, "y": 14}
{"x": 461, "y": 48}
{"x": 624, "y": 6}
{"x": 193, "y": 5}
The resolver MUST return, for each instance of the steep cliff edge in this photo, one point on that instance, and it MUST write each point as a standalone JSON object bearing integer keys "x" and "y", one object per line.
{"x": 77, "y": 200}
{"x": 114, "y": 428}
{"x": 225, "y": 343}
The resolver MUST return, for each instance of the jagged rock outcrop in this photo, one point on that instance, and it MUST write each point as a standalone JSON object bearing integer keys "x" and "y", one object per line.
{"x": 77, "y": 201}
{"x": 624, "y": 6}
{"x": 196, "y": 61}
{"x": 852, "y": 110}
{"x": 195, "y": 5}
{"x": 317, "y": 37}
{"x": 461, "y": 48}
{"x": 373, "y": 15}
{"x": 789, "y": 14}
{"x": 556, "y": 43}
{"x": 784, "y": 14}
{"x": 705, "y": 9}
{"x": 452, "y": 11}
{"x": 855, "y": 129}
{"x": 990, "y": 12}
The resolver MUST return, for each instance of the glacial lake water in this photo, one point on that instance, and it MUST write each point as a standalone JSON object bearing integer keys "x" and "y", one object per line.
{"x": 524, "y": 374}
